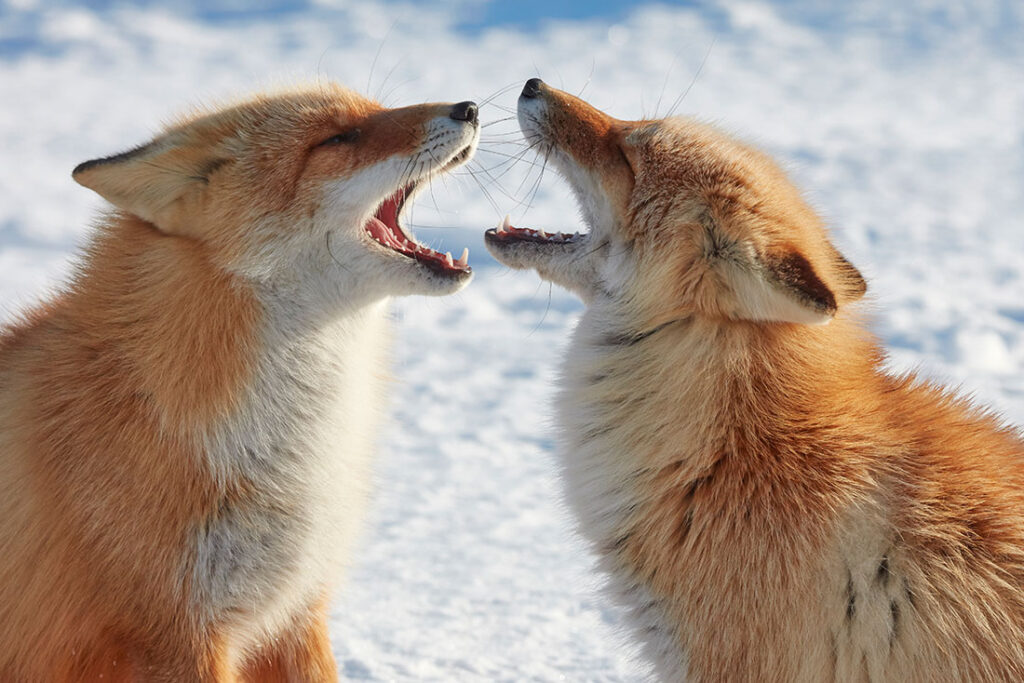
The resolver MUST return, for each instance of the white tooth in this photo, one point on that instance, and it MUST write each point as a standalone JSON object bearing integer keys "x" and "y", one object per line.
{"x": 464, "y": 259}
{"x": 544, "y": 234}
{"x": 507, "y": 223}
{"x": 448, "y": 259}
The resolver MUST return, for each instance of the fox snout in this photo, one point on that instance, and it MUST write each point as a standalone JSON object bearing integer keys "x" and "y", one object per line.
{"x": 589, "y": 135}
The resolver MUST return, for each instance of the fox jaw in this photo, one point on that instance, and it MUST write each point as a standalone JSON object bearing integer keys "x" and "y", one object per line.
{"x": 307, "y": 184}
{"x": 676, "y": 227}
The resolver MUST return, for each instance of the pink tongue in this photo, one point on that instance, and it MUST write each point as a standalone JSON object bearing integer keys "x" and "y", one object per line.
{"x": 382, "y": 233}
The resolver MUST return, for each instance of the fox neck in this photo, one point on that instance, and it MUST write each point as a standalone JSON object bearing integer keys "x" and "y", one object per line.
{"x": 191, "y": 335}
{"x": 691, "y": 438}
{"x": 685, "y": 393}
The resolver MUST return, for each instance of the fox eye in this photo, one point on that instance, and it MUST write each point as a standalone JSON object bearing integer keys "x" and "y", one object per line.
{"x": 349, "y": 136}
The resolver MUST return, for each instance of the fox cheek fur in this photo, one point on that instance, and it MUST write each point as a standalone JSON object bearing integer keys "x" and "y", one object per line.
{"x": 768, "y": 502}
{"x": 186, "y": 430}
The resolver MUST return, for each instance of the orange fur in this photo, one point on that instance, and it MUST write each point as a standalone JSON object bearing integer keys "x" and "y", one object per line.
{"x": 115, "y": 397}
{"x": 770, "y": 503}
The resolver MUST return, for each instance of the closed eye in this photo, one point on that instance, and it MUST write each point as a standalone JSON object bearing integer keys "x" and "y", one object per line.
{"x": 348, "y": 137}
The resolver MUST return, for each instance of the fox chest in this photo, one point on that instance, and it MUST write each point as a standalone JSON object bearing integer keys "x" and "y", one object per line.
{"x": 295, "y": 471}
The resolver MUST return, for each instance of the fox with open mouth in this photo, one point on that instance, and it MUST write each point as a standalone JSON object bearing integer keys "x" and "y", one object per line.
{"x": 767, "y": 500}
{"x": 186, "y": 429}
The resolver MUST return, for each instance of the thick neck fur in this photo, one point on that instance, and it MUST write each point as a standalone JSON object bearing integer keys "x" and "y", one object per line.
{"x": 186, "y": 332}
{"x": 687, "y": 450}
{"x": 191, "y": 335}
{"x": 770, "y": 487}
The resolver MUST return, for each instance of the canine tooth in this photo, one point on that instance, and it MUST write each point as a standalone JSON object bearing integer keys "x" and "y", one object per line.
{"x": 464, "y": 259}
{"x": 544, "y": 234}
{"x": 448, "y": 259}
{"x": 506, "y": 224}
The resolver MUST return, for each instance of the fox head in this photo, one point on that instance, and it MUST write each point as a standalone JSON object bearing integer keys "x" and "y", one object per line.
{"x": 313, "y": 179}
{"x": 683, "y": 221}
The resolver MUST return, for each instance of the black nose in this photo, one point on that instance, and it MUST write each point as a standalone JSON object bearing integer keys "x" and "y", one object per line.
{"x": 464, "y": 111}
{"x": 532, "y": 88}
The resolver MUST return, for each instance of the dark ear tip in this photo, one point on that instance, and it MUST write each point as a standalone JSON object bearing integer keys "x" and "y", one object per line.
{"x": 84, "y": 166}
{"x": 854, "y": 283}
{"x": 123, "y": 156}
{"x": 859, "y": 285}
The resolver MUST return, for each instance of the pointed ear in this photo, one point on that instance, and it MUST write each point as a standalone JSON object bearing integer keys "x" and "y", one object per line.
{"x": 162, "y": 182}
{"x": 851, "y": 282}
{"x": 780, "y": 286}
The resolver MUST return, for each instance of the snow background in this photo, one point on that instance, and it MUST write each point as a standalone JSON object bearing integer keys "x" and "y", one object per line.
{"x": 904, "y": 123}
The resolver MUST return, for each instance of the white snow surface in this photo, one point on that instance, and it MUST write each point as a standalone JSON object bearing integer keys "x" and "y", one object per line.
{"x": 903, "y": 122}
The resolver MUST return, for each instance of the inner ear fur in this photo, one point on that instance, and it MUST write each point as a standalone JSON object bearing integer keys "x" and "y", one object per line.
{"x": 784, "y": 283}
{"x": 791, "y": 270}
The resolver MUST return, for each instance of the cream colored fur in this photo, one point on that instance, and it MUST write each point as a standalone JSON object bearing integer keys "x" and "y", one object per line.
{"x": 767, "y": 501}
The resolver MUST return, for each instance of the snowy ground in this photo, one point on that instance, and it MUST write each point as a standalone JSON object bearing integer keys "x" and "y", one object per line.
{"x": 905, "y": 126}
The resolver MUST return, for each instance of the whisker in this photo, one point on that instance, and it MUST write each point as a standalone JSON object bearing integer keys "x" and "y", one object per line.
{"x": 536, "y": 186}
{"x": 491, "y": 123}
{"x": 527, "y": 176}
{"x": 593, "y": 63}
{"x": 487, "y": 194}
{"x": 380, "y": 47}
{"x": 664, "y": 85}
{"x": 394, "y": 89}
{"x": 500, "y": 91}
{"x": 387, "y": 77}
{"x": 700, "y": 68}
{"x": 544, "y": 315}
{"x": 496, "y": 183}
{"x": 503, "y": 108}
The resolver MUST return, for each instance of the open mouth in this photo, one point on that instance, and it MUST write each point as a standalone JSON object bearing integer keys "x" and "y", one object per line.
{"x": 385, "y": 228}
{"x": 506, "y": 233}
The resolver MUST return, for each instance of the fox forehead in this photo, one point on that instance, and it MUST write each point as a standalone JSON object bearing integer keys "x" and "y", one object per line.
{"x": 284, "y": 115}
{"x": 231, "y": 131}
{"x": 699, "y": 154}
{"x": 695, "y": 163}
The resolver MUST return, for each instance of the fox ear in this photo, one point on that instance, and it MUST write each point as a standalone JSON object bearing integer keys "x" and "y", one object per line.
{"x": 852, "y": 283}
{"x": 780, "y": 286}
{"x": 161, "y": 182}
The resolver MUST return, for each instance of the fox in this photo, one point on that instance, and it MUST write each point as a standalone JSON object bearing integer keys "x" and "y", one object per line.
{"x": 187, "y": 426}
{"x": 766, "y": 500}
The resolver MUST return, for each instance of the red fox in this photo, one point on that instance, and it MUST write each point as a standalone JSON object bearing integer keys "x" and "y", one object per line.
{"x": 768, "y": 501}
{"x": 186, "y": 429}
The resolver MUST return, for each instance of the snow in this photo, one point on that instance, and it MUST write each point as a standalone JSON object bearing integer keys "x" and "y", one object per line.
{"x": 904, "y": 123}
